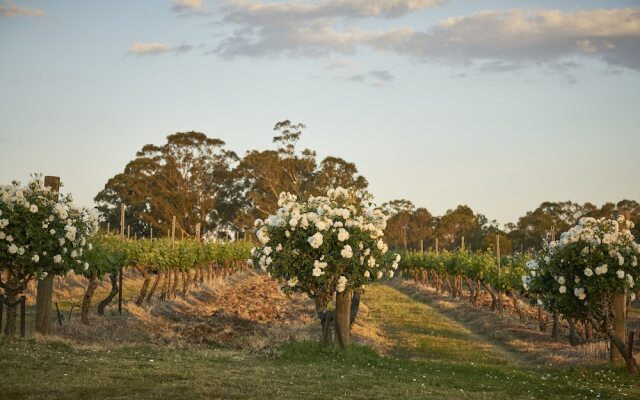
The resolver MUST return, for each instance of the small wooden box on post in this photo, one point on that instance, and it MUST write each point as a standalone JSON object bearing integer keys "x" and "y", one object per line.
{"x": 44, "y": 294}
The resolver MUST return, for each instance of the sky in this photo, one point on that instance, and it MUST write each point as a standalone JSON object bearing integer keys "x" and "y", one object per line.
{"x": 499, "y": 105}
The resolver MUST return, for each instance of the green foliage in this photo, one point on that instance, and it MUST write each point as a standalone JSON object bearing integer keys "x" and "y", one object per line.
{"x": 579, "y": 274}
{"x": 481, "y": 266}
{"x": 111, "y": 252}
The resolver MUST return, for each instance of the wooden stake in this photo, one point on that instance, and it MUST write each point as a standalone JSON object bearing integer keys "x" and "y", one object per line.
{"x": 173, "y": 231}
{"x": 128, "y": 231}
{"x": 462, "y": 243}
{"x": 108, "y": 227}
{"x": 44, "y": 294}
{"x": 499, "y": 270}
{"x": 198, "y": 231}
{"x": 151, "y": 236}
{"x": 123, "y": 208}
{"x": 437, "y": 249}
{"x": 23, "y": 315}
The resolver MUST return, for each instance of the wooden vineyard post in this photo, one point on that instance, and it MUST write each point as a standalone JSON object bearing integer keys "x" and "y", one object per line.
{"x": 151, "y": 235}
{"x": 619, "y": 321}
{"x": 44, "y": 294}
{"x": 23, "y": 316}
{"x": 499, "y": 272}
{"x": 170, "y": 291}
{"x": 630, "y": 366}
{"x": 437, "y": 250}
{"x": 128, "y": 231}
{"x": 108, "y": 227}
{"x": 1, "y": 309}
{"x": 122, "y": 210}
{"x": 421, "y": 246}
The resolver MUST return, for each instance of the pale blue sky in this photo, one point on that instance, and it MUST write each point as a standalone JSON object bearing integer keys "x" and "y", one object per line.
{"x": 508, "y": 105}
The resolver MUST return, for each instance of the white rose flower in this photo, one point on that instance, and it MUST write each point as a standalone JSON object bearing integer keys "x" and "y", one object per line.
{"x": 379, "y": 274}
{"x": 57, "y": 259}
{"x": 12, "y": 249}
{"x": 563, "y": 289}
{"x": 346, "y": 252}
{"x": 367, "y": 274}
{"x": 561, "y": 280}
{"x": 293, "y": 281}
{"x": 342, "y": 284}
{"x": 33, "y": 208}
{"x": 35, "y": 258}
{"x": 620, "y": 274}
{"x": 588, "y": 272}
{"x": 316, "y": 240}
{"x": 343, "y": 235}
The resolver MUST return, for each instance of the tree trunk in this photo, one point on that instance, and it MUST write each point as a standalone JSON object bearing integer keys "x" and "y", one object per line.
{"x": 176, "y": 278}
{"x": 343, "y": 316}
{"x": 516, "y": 306}
{"x": 619, "y": 313}
{"x": 449, "y": 285}
{"x": 326, "y": 319}
{"x": 493, "y": 296}
{"x": 574, "y": 339}
{"x": 114, "y": 291}
{"x": 476, "y": 294}
{"x": 11, "y": 300}
{"x": 154, "y": 286}
{"x": 541, "y": 322}
{"x": 44, "y": 299}
{"x": 165, "y": 285}
{"x": 145, "y": 285}
{"x": 556, "y": 326}
{"x": 471, "y": 289}
{"x": 88, "y": 295}
{"x": 186, "y": 281}
{"x": 588, "y": 331}
{"x": 355, "y": 307}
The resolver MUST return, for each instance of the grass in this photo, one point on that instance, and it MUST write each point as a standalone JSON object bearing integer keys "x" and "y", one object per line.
{"x": 432, "y": 357}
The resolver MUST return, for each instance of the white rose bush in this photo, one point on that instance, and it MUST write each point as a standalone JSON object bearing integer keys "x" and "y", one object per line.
{"x": 325, "y": 245}
{"x": 41, "y": 233}
{"x": 583, "y": 274}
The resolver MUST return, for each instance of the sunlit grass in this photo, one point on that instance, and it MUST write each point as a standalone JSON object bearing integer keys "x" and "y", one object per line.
{"x": 433, "y": 357}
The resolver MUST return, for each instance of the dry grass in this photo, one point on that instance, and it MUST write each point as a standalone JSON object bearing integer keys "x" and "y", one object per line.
{"x": 524, "y": 340}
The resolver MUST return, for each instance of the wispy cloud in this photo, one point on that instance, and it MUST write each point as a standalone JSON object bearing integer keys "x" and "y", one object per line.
{"x": 156, "y": 48}
{"x": 377, "y": 78}
{"x": 186, "y": 7}
{"x": 10, "y": 9}
{"x": 303, "y": 29}
{"x": 507, "y": 40}
{"x": 489, "y": 41}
